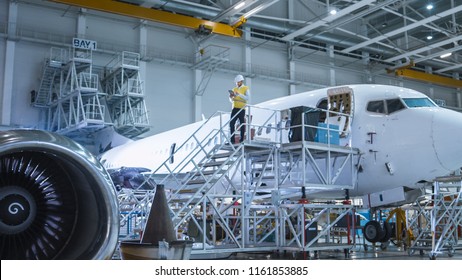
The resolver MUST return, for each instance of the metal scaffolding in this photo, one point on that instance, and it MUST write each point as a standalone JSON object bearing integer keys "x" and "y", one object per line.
{"x": 70, "y": 93}
{"x": 435, "y": 220}
{"x": 77, "y": 104}
{"x": 237, "y": 198}
{"x": 125, "y": 94}
{"x": 318, "y": 227}
{"x": 207, "y": 60}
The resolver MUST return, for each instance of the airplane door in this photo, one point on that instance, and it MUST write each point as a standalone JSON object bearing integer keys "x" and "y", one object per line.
{"x": 340, "y": 112}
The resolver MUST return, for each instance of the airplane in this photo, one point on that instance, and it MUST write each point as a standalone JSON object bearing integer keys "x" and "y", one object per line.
{"x": 54, "y": 190}
{"x": 403, "y": 138}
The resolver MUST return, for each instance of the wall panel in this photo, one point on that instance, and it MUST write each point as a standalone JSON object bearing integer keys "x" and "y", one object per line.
{"x": 169, "y": 85}
{"x": 26, "y": 77}
{"x": 40, "y": 19}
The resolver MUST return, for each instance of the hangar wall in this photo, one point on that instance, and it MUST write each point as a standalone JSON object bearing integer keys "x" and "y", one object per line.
{"x": 170, "y": 83}
{"x": 28, "y": 62}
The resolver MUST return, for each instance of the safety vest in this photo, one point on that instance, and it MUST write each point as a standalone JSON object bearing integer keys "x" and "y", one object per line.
{"x": 239, "y": 102}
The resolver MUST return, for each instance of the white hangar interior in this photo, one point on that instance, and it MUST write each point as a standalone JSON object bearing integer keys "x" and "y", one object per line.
{"x": 356, "y": 47}
{"x": 175, "y": 61}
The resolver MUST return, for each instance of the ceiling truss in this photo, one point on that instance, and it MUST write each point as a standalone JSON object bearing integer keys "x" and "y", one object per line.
{"x": 390, "y": 31}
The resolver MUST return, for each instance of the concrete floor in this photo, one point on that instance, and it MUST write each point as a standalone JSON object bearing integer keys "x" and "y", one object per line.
{"x": 363, "y": 251}
{"x": 391, "y": 253}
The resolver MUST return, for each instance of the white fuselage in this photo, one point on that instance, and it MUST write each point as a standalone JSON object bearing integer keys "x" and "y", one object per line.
{"x": 398, "y": 149}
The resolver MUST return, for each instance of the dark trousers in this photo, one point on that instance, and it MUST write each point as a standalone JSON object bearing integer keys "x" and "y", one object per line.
{"x": 237, "y": 114}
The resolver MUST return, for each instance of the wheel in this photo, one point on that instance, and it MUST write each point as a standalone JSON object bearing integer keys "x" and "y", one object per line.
{"x": 387, "y": 230}
{"x": 373, "y": 232}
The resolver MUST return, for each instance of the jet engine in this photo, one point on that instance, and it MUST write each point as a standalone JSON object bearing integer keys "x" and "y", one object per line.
{"x": 56, "y": 199}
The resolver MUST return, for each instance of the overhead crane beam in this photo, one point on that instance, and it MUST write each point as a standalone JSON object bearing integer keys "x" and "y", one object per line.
{"x": 426, "y": 77}
{"x": 125, "y": 9}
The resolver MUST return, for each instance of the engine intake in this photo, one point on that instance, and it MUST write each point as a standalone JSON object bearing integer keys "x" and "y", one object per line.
{"x": 56, "y": 199}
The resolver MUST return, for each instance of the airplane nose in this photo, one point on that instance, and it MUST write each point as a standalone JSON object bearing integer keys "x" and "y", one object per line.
{"x": 447, "y": 138}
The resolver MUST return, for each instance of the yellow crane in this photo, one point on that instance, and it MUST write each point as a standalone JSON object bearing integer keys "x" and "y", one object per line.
{"x": 131, "y": 10}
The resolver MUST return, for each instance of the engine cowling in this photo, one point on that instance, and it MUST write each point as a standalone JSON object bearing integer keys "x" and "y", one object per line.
{"x": 56, "y": 199}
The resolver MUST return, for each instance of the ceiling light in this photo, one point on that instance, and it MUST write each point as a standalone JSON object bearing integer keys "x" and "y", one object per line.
{"x": 429, "y": 37}
{"x": 240, "y": 5}
{"x": 429, "y": 6}
{"x": 333, "y": 12}
{"x": 445, "y": 55}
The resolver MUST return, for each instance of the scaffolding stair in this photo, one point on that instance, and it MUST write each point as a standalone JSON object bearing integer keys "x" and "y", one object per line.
{"x": 43, "y": 96}
{"x": 436, "y": 226}
{"x": 232, "y": 197}
{"x": 70, "y": 96}
{"x": 208, "y": 59}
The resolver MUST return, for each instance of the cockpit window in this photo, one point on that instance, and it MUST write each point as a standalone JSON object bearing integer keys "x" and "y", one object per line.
{"x": 385, "y": 106}
{"x": 376, "y": 107}
{"x": 394, "y": 105}
{"x": 418, "y": 102}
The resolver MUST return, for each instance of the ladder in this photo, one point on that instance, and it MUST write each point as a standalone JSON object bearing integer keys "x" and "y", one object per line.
{"x": 210, "y": 174}
{"x": 43, "y": 97}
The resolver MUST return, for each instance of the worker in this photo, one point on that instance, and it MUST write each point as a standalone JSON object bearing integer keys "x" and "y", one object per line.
{"x": 238, "y": 96}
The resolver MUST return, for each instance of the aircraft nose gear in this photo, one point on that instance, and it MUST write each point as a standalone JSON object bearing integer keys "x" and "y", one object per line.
{"x": 376, "y": 232}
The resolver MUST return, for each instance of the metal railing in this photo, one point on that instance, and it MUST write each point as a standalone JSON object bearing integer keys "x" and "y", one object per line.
{"x": 201, "y": 171}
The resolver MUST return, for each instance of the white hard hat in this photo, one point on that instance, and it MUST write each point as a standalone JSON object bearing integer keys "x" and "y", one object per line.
{"x": 238, "y": 79}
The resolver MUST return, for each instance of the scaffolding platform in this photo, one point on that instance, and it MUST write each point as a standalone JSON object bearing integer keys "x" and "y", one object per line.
{"x": 208, "y": 59}
{"x": 435, "y": 219}
{"x": 211, "y": 57}
{"x": 70, "y": 95}
{"x": 75, "y": 102}
{"x": 125, "y": 94}
{"x": 318, "y": 227}
{"x": 248, "y": 194}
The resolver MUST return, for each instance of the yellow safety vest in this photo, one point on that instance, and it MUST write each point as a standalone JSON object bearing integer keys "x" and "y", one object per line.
{"x": 239, "y": 102}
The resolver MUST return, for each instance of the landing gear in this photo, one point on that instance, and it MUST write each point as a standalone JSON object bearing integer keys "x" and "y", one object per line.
{"x": 376, "y": 232}
{"x": 387, "y": 232}
{"x": 373, "y": 232}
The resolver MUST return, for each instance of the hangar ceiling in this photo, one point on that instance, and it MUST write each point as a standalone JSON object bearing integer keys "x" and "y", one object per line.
{"x": 393, "y": 32}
